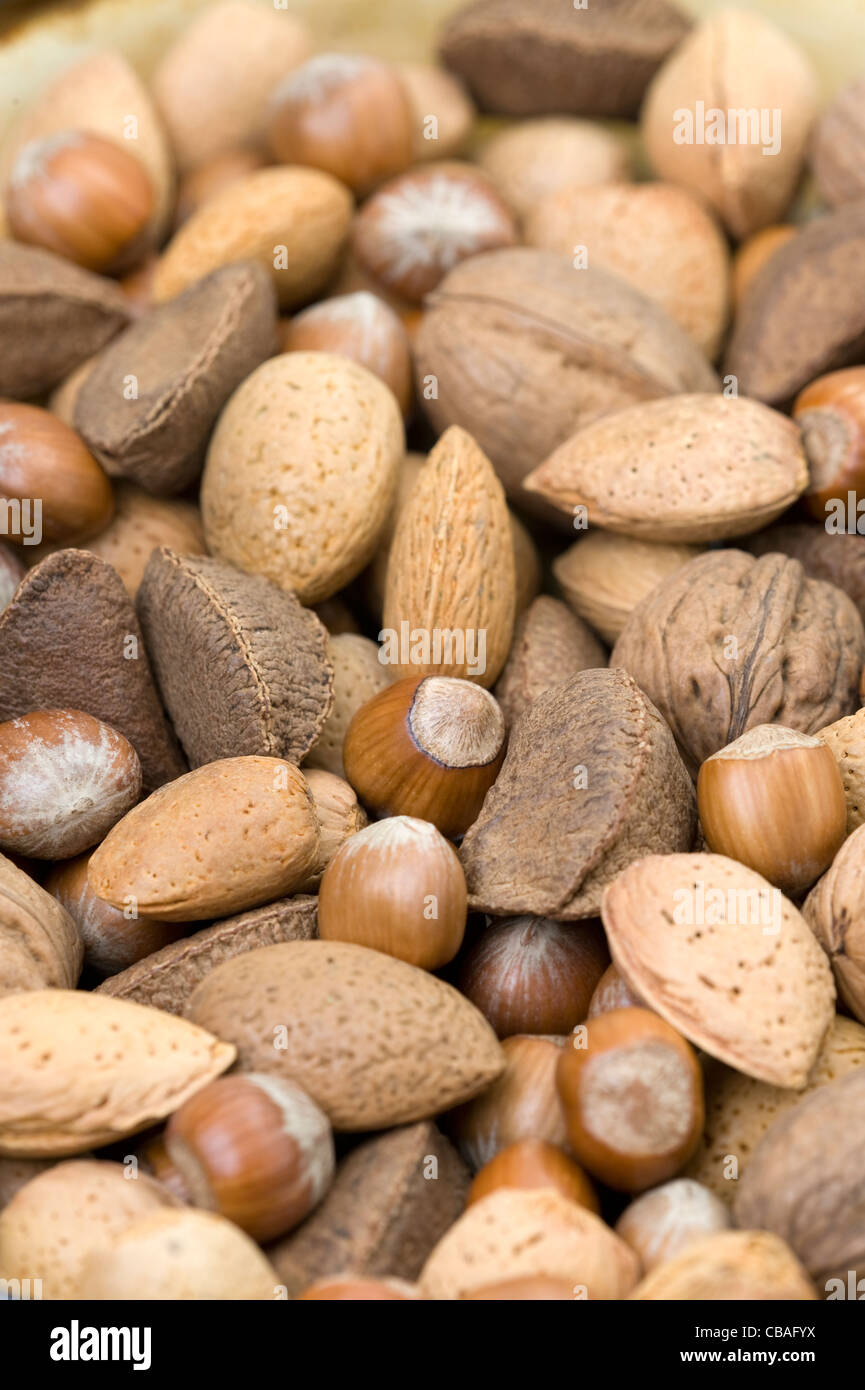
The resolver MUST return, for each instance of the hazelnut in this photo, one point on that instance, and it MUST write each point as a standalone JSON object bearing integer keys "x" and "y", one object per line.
{"x": 398, "y": 887}
{"x": 255, "y": 1148}
{"x": 632, "y": 1097}
{"x": 357, "y": 1288}
{"x": 410, "y": 233}
{"x": 81, "y": 196}
{"x": 534, "y": 975}
{"x": 347, "y": 114}
{"x": 65, "y": 780}
{"x": 774, "y": 800}
{"x": 534, "y": 1163}
{"x": 659, "y": 1224}
{"x": 429, "y": 748}
{"x": 521, "y": 1104}
{"x": 831, "y": 415}
{"x": 45, "y": 466}
{"x": 612, "y": 992}
{"x": 112, "y": 940}
{"x": 360, "y": 326}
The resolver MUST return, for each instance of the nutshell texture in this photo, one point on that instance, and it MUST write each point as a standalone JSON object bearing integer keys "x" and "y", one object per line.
{"x": 519, "y": 1233}
{"x": 228, "y": 836}
{"x": 804, "y": 313}
{"x": 836, "y": 150}
{"x": 604, "y": 576}
{"x": 525, "y": 350}
{"x": 805, "y": 1180}
{"x": 729, "y": 1266}
{"x": 692, "y": 468}
{"x": 835, "y": 911}
{"x": 723, "y": 957}
{"x": 166, "y": 979}
{"x": 837, "y": 558}
{"x": 550, "y": 644}
{"x": 591, "y": 781}
{"x": 274, "y": 496}
{"x": 70, "y": 640}
{"x": 739, "y": 1110}
{"x": 382, "y": 1216}
{"x": 186, "y": 358}
{"x": 241, "y": 666}
{"x": 53, "y": 316}
{"x": 81, "y": 1070}
{"x": 142, "y": 522}
{"x": 527, "y": 60}
{"x": 451, "y": 563}
{"x": 730, "y": 641}
{"x": 39, "y": 942}
{"x": 846, "y": 739}
{"x": 357, "y": 676}
{"x": 409, "y": 1046}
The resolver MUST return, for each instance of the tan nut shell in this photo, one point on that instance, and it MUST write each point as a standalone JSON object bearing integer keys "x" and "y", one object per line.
{"x": 81, "y": 1070}
{"x": 517, "y": 1233}
{"x": 451, "y": 564}
{"x": 68, "y": 1212}
{"x": 846, "y": 739}
{"x": 304, "y": 211}
{"x": 339, "y": 817}
{"x": 730, "y": 1266}
{"x": 834, "y": 912}
{"x": 357, "y": 676}
{"x": 687, "y": 469}
{"x": 533, "y": 160}
{"x": 290, "y": 437}
{"x": 757, "y": 994}
{"x": 550, "y": 644}
{"x": 140, "y": 524}
{"x": 228, "y": 836}
{"x": 375, "y": 1042}
{"x": 604, "y": 576}
{"x": 39, "y": 942}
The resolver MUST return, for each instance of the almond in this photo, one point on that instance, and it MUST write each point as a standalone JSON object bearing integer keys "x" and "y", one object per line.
{"x": 358, "y": 674}
{"x": 451, "y": 567}
{"x": 81, "y": 1070}
{"x": 730, "y": 1265}
{"x": 140, "y": 524}
{"x": 228, "y": 836}
{"x": 339, "y": 817}
{"x": 604, "y": 576}
{"x": 833, "y": 910}
{"x": 409, "y": 1046}
{"x": 723, "y": 957}
{"x": 550, "y": 644}
{"x": 39, "y": 942}
{"x": 687, "y": 469}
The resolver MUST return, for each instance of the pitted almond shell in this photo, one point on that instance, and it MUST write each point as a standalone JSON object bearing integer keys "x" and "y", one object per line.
{"x": 81, "y": 1070}
{"x": 729, "y": 1266}
{"x": 39, "y": 942}
{"x": 721, "y": 955}
{"x": 846, "y": 740}
{"x": 604, "y": 576}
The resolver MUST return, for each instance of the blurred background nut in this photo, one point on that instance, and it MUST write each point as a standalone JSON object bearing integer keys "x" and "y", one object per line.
{"x": 533, "y": 159}
{"x": 357, "y": 676}
{"x": 753, "y": 253}
{"x": 442, "y": 111}
{"x": 729, "y": 1265}
{"x": 835, "y": 911}
{"x": 836, "y": 150}
{"x": 521, "y": 1104}
{"x": 360, "y": 326}
{"x": 40, "y": 946}
{"x": 604, "y": 576}
{"x": 56, "y": 490}
{"x": 113, "y": 939}
{"x": 11, "y": 571}
{"x": 831, "y": 415}
{"x": 534, "y": 1163}
{"x": 211, "y": 177}
{"x": 659, "y": 1224}
{"x": 355, "y": 1289}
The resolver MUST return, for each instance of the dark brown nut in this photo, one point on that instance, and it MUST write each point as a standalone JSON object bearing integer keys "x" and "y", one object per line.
{"x": 730, "y": 1265}
{"x": 520, "y": 350}
{"x": 839, "y": 559}
{"x": 805, "y": 311}
{"x": 612, "y": 992}
{"x": 166, "y": 979}
{"x": 835, "y": 911}
{"x": 241, "y": 666}
{"x": 393, "y": 1198}
{"x": 805, "y": 1182}
{"x": 148, "y": 406}
{"x": 52, "y": 317}
{"x": 39, "y": 943}
{"x": 526, "y": 60}
{"x": 61, "y": 492}
{"x": 591, "y": 781}
{"x": 112, "y": 940}
{"x": 70, "y": 640}
{"x": 729, "y": 642}
{"x": 550, "y": 644}
{"x": 838, "y": 145}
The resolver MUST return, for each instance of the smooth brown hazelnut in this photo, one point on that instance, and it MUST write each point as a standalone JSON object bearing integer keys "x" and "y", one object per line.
{"x": 534, "y": 1163}
{"x": 831, "y": 415}
{"x": 360, "y": 326}
{"x": 659, "y": 1224}
{"x": 521, "y": 1104}
{"x": 112, "y": 940}
{"x": 612, "y": 992}
{"x": 53, "y": 488}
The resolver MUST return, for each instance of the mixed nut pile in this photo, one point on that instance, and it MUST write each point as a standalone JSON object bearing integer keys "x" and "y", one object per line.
{"x": 434, "y": 874}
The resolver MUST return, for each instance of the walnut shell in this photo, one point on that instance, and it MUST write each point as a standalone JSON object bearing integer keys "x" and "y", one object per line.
{"x": 835, "y": 911}
{"x": 550, "y": 643}
{"x": 591, "y": 781}
{"x": 728, "y": 642}
{"x": 838, "y": 558}
{"x": 729, "y": 1266}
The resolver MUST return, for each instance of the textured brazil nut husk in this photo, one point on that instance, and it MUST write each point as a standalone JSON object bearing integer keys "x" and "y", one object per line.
{"x": 70, "y": 640}
{"x": 525, "y": 60}
{"x": 839, "y": 558}
{"x": 186, "y": 358}
{"x": 517, "y": 1233}
{"x": 729, "y": 641}
{"x": 39, "y": 942}
{"x": 804, "y": 313}
{"x": 550, "y": 644}
{"x": 836, "y": 149}
{"x": 166, "y": 979}
{"x": 382, "y": 1216}
{"x": 357, "y": 676}
{"x": 409, "y": 1046}
{"x": 805, "y": 1180}
{"x": 81, "y": 1070}
{"x": 451, "y": 564}
{"x": 274, "y": 496}
{"x": 524, "y": 350}
{"x": 53, "y": 315}
{"x": 729, "y": 1266}
{"x": 726, "y": 959}
{"x": 228, "y": 836}
{"x": 835, "y": 912}
{"x": 691, "y": 468}
{"x": 846, "y": 741}
{"x": 590, "y": 782}
{"x": 604, "y": 576}
{"x": 739, "y": 1110}
{"x": 241, "y": 666}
